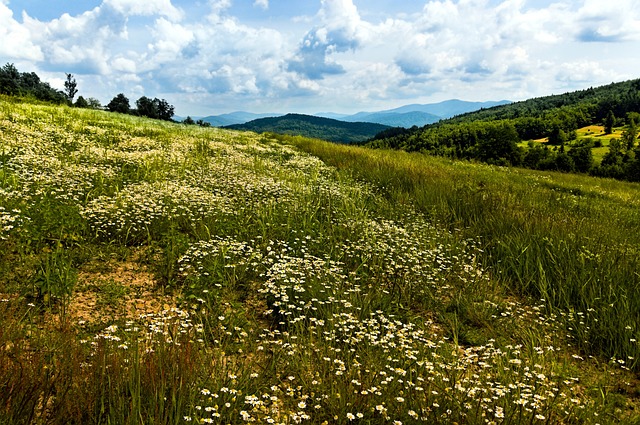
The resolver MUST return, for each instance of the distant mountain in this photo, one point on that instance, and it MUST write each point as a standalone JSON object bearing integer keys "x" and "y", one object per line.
{"x": 449, "y": 108}
{"x": 405, "y": 116}
{"x": 312, "y": 126}
{"x": 394, "y": 119}
{"x": 239, "y": 117}
{"x": 416, "y": 114}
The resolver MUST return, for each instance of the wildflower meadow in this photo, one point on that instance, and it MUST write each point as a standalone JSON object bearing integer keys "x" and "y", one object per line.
{"x": 156, "y": 273}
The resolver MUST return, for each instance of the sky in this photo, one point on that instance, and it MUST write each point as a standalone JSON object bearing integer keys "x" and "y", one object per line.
{"x": 208, "y": 57}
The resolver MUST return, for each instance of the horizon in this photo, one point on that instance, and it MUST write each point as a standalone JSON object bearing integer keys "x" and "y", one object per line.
{"x": 340, "y": 56}
{"x": 319, "y": 113}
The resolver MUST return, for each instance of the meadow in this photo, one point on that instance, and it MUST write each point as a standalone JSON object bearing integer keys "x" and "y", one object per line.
{"x": 155, "y": 273}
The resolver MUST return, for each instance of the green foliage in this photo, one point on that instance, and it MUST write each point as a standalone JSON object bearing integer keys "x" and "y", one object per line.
{"x": 15, "y": 83}
{"x": 70, "y": 88}
{"x": 120, "y": 104}
{"x": 154, "y": 108}
{"x": 81, "y": 103}
{"x": 548, "y": 236}
{"x": 556, "y": 118}
{"x": 609, "y": 122}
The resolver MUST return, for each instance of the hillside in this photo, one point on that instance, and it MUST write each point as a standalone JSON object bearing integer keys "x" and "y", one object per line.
{"x": 233, "y": 118}
{"x": 153, "y": 272}
{"x": 315, "y": 127}
{"x": 405, "y": 116}
{"x": 421, "y": 114}
{"x": 492, "y": 135}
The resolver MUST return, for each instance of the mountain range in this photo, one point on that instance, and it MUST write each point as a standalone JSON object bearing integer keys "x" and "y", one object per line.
{"x": 405, "y": 116}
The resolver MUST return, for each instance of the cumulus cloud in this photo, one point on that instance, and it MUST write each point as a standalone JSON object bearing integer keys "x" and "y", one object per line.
{"x": 341, "y": 29}
{"x": 15, "y": 39}
{"x": 619, "y": 21}
{"x": 337, "y": 53}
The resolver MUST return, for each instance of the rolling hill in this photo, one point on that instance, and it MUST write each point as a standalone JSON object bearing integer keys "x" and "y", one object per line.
{"x": 405, "y": 116}
{"x": 494, "y": 135}
{"x": 315, "y": 127}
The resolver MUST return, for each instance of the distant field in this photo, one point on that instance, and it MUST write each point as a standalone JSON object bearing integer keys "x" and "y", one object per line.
{"x": 594, "y": 132}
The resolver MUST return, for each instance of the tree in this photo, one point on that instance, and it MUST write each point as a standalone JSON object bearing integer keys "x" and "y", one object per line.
{"x": 188, "y": 121}
{"x": 146, "y": 107}
{"x": 582, "y": 156}
{"x": 564, "y": 162}
{"x": 156, "y": 108}
{"x": 81, "y": 102}
{"x": 630, "y": 134}
{"x": 9, "y": 80}
{"x": 609, "y": 122}
{"x": 94, "y": 103}
{"x": 120, "y": 103}
{"x": 498, "y": 144}
{"x": 164, "y": 109}
{"x": 70, "y": 87}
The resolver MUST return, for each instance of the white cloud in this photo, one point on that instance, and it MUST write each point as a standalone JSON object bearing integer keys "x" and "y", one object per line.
{"x": 15, "y": 39}
{"x": 340, "y": 29}
{"x": 472, "y": 49}
{"x": 145, "y": 8}
{"x": 263, "y": 4}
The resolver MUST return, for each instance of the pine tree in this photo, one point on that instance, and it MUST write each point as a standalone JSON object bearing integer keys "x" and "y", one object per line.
{"x": 70, "y": 87}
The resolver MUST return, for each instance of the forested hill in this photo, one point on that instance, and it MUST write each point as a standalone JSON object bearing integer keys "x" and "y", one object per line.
{"x": 316, "y": 127}
{"x": 492, "y": 135}
{"x": 620, "y": 98}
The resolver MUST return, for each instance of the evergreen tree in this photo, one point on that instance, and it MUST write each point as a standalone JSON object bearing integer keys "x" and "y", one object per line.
{"x": 70, "y": 88}
{"x": 609, "y": 122}
{"x": 630, "y": 134}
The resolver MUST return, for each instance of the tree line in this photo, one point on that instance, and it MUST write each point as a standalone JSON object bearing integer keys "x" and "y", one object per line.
{"x": 493, "y": 135}
{"x": 28, "y": 84}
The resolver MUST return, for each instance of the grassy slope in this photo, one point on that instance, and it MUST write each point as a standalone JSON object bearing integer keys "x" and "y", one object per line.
{"x": 153, "y": 273}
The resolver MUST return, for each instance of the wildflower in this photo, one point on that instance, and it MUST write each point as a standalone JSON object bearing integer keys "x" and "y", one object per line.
{"x": 350, "y": 416}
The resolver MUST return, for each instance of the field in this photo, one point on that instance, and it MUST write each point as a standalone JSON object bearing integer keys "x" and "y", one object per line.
{"x": 154, "y": 273}
{"x": 594, "y": 133}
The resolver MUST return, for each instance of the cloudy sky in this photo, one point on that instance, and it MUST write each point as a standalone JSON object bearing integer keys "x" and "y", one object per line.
{"x": 214, "y": 56}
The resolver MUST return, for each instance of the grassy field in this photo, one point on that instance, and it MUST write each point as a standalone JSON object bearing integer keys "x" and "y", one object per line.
{"x": 595, "y": 133}
{"x": 154, "y": 273}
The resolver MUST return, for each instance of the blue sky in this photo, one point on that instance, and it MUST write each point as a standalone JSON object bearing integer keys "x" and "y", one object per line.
{"x": 214, "y": 56}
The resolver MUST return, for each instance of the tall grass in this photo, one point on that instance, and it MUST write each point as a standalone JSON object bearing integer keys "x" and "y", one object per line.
{"x": 569, "y": 240}
{"x": 154, "y": 273}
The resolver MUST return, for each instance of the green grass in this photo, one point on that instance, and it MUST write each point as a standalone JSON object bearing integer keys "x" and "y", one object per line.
{"x": 154, "y": 273}
{"x": 564, "y": 238}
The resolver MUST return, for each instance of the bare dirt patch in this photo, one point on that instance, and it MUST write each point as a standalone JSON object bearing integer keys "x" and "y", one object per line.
{"x": 117, "y": 290}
